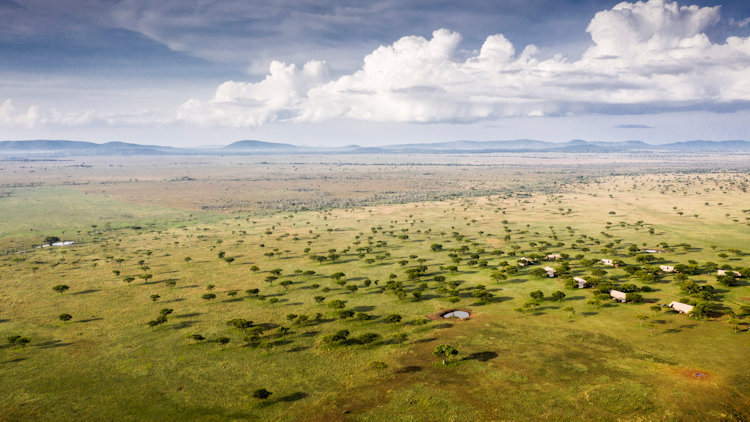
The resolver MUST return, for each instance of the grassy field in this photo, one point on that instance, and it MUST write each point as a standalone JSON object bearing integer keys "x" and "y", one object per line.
{"x": 519, "y": 359}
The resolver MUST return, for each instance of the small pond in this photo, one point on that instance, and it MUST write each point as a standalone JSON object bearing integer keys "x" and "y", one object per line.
{"x": 456, "y": 314}
{"x": 63, "y": 243}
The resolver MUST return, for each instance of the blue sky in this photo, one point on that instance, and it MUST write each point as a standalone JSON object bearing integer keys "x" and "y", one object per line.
{"x": 181, "y": 72}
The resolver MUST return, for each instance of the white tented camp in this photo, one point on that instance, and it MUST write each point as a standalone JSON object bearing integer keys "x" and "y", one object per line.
{"x": 682, "y": 308}
{"x": 618, "y": 295}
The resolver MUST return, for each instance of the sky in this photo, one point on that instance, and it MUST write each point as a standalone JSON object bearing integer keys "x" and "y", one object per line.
{"x": 332, "y": 73}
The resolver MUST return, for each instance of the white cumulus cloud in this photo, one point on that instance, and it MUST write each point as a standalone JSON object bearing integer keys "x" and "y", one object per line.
{"x": 645, "y": 55}
{"x": 10, "y": 115}
{"x": 33, "y": 116}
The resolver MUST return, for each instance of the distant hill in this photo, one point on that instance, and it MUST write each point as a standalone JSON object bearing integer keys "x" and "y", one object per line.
{"x": 252, "y": 147}
{"x": 57, "y": 147}
{"x": 709, "y": 146}
{"x": 259, "y": 146}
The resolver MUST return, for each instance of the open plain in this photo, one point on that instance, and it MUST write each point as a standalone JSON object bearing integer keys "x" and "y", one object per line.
{"x": 195, "y": 281}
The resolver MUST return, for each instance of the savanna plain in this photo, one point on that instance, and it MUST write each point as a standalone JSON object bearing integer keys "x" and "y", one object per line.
{"x": 194, "y": 286}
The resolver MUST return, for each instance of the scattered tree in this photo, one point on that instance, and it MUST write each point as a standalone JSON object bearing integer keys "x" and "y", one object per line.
{"x": 445, "y": 351}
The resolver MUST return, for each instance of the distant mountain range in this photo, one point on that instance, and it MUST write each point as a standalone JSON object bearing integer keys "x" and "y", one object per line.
{"x": 46, "y": 148}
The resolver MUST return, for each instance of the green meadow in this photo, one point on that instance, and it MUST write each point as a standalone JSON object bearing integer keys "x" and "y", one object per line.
{"x": 179, "y": 314}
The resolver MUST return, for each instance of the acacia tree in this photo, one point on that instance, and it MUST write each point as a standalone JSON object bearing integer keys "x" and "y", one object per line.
{"x": 49, "y": 240}
{"x": 65, "y": 317}
{"x": 445, "y": 351}
{"x": 196, "y": 337}
{"x": 61, "y": 288}
{"x": 558, "y": 296}
{"x": 262, "y": 394}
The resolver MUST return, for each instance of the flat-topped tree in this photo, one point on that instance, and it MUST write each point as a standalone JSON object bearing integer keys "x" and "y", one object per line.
{"x": 49, "y": 240}
{"x": 261, "y": 394}
{"x": 61, "y": 288}
{"x": 445, "y": 351}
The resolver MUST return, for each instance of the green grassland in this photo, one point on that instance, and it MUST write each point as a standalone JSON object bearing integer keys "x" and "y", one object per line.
{"x": 30, "y": 213}
{"x": 554, "y": 360}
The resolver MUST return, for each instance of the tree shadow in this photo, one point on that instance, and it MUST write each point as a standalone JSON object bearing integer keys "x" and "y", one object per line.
{"x": 309, "y": 334}
{"x": 297, "y": 349}
{"x": 409, "y": 369}
{"x": 53, "y": 344}
{"x": 14, "y": 360}
{"x": 85, "y": 292}
{"x": 363, "y": 308}
{"x": 314, "y": 322}
{"x": 190, "y": 315}
{"x": 481, "y": 356}
{"x": 234, "y": 299}
{"x": 442, "y": 325}
{"x": 183, "y": 324}
{"x": 191, "y": 286}
{"x": 80, "y": 321}
{"x": 499, "y": 299}
{"x": 425, "y": 340}
{"x": 3, "y": 320}
{"x": 293, "y": 397}
{"x": 179, "y": 299}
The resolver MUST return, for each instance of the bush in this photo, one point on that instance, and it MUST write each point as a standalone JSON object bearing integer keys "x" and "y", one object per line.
{"x": 339, "y": 337}
{"x": 393, "y": 318}
{"x": 634, "y": 297}
{"x": 368, "y": 338}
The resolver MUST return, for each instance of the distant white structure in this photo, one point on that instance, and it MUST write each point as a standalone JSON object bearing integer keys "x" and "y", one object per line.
{"x": 608, "y": 262}
{"x": 667, "y": 268}
{"x": 550, "y": 271}
{"x": 682, "y": 308}
{"x": 618, "y": 295}
{"x": 581, "y": 282}
{"x": 523, "y": 261}
{"x": 724, "y": 272}
{"x": 653, "y": 250}
{"x": 553, "y": 257}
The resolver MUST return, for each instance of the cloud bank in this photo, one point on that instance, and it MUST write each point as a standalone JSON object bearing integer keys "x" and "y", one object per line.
{"x": 646, "y": 56}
